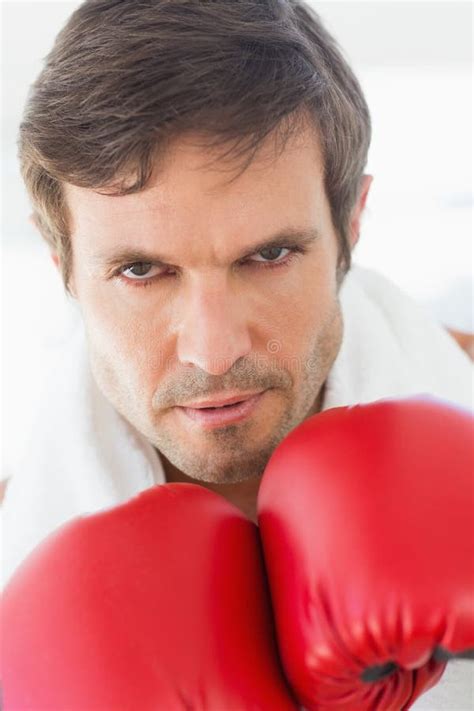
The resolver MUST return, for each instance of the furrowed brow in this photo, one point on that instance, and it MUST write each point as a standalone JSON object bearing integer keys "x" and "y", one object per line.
{"x": 289, "y": 237}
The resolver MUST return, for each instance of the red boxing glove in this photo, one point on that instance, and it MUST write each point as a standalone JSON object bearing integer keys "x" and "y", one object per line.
{"x": 159, "y": 603}
{"x": 366, "y": 519}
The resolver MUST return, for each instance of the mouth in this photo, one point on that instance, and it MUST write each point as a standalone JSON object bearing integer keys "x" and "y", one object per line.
{"x": 219, "y": 407}
{"x": 221, "y": 401}
{"x": 212, "y": 416}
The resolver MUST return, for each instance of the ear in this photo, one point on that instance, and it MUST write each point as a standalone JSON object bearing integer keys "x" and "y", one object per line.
{"x": 55, "y": 260}
{"x": 54, "y": 257}
{"x": 57, "y": 263}
{"x": 365, "y": 183}
{"x": 32, "y": 221}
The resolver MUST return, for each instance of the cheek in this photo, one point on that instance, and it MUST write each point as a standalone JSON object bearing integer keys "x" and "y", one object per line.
{"x": 301, "y": 310}
{"x": 125, "y": 343}
{"x": 119, "y": 321}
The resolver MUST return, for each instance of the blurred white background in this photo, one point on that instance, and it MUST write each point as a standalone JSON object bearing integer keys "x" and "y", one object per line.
{"x": 414, "y": 60}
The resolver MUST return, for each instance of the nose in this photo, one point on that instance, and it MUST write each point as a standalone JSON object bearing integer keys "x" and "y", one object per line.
{"x": 214, "y": 332}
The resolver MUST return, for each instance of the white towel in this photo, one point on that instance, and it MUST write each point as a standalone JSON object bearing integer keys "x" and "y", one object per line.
{"x": 393, "y": 347}
{"x": 83, "y": 456}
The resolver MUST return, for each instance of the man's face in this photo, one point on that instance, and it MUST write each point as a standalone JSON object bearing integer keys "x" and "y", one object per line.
{"x": 180, "y": 306}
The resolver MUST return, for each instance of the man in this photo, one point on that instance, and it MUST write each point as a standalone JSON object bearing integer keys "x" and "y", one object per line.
{"x": 197, "y": 170}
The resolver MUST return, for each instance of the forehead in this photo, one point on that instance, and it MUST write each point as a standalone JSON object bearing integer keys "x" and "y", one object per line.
{"x": 193, "y": 187}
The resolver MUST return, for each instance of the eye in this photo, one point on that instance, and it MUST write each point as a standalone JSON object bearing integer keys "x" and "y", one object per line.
{"x": 140, "y": 271}
{"x": 271, "y": 254}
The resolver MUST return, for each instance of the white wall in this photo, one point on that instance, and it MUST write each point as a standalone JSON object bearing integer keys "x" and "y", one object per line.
{"x": 414, "y": 60}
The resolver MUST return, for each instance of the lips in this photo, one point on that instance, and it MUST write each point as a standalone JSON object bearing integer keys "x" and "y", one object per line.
{"x": 219, "y": 407}
{"x": 231, "y": 413}
{"x": 221, "y": 402}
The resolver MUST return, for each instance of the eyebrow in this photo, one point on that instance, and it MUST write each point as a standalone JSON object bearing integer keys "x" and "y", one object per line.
{"x": 289, "y": 237}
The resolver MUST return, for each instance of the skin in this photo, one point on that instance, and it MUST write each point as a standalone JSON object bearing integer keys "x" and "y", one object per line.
{"x": 209, "y": 322}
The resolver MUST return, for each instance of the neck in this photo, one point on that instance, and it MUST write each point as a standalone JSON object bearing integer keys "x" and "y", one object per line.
{"x": 242, "y": 494}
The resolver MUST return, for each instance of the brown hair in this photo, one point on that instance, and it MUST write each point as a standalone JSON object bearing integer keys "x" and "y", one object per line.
{"x": 124, "y": 77}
